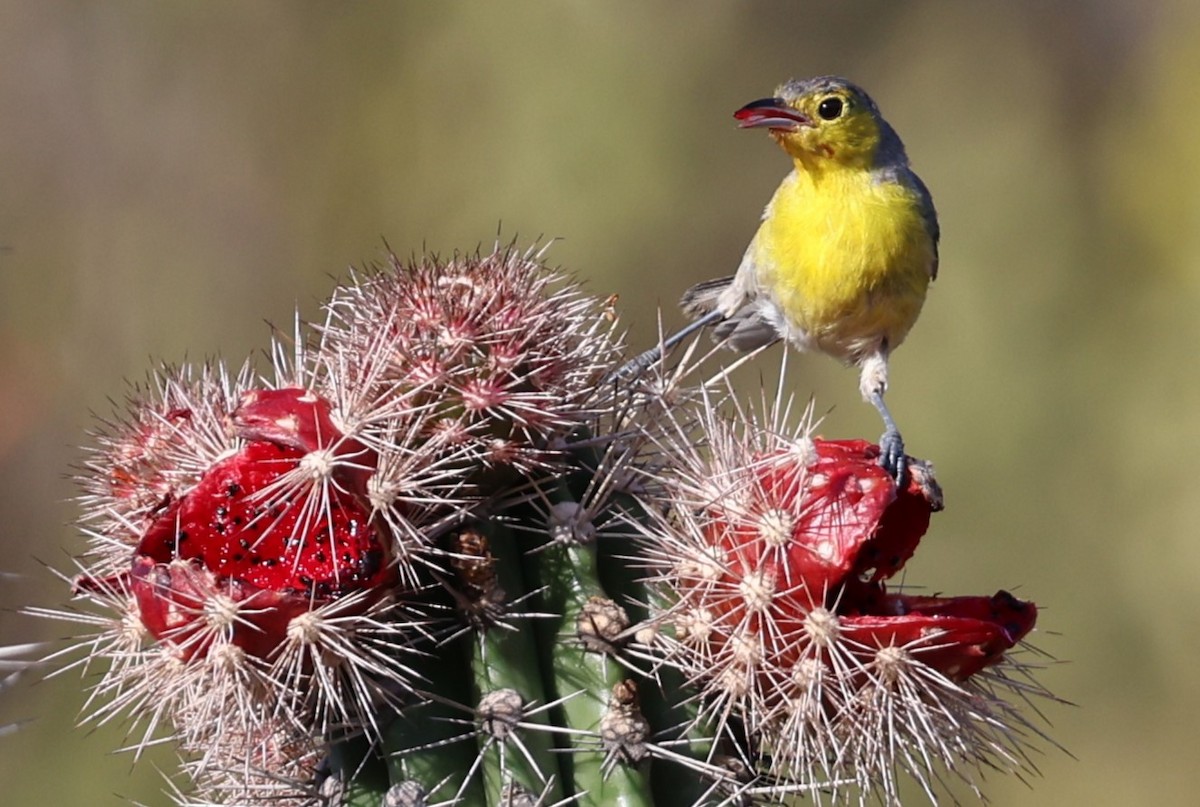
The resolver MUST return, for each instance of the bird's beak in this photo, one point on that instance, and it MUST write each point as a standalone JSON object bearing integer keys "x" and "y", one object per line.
{"x": 773, "y": 113}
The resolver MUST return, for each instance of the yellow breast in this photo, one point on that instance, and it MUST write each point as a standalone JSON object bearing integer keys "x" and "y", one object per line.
{"x": 846, "y": 259}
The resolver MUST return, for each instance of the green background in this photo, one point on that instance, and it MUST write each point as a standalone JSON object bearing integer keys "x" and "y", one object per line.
{"x": 172, "y": 175}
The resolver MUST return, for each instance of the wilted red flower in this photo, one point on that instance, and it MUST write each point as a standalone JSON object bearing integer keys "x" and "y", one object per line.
{"x": 260, "y": 595}
{"x": 267, "y": 533}
{"x": 255, "y": 546}
{"x": 772, "y": 555}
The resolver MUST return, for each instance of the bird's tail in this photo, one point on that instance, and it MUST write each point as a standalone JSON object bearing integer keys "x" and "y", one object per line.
{"x": 743, "y": 330}
{"x": 702, "y": 298}
{"x": 700, "y": 303}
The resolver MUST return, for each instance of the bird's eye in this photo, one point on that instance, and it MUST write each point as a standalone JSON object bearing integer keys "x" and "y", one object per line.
{"x": 831, "y": 108}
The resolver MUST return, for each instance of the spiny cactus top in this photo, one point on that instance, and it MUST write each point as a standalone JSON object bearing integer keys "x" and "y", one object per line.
{"x": 436, "y": 554}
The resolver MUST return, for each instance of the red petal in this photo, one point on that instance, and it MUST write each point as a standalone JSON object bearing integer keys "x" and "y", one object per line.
{"x": 843, "y": 498}
{"x": 300, "y": 419}
{"x": 1016, "y": 617}
{"x": 847, "y": 521}
{"x": 290, "y": 417}
{"x": 901, "y": 528}
{"x": 241, "y": 530}
{"x": 171, "y": 602}
{"x": 958, "y": 636}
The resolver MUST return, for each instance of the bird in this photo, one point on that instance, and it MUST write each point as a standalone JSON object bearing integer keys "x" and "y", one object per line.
{"x": 846, "y": 250}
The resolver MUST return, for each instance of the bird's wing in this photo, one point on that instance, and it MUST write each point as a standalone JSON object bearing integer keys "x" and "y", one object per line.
{"x": 736, "y": 296}
{"x": 929, "y": 214}
{"x": 745, "y": 329}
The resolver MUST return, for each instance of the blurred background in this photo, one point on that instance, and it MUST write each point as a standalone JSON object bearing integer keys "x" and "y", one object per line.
{"x": 174, "y": 176}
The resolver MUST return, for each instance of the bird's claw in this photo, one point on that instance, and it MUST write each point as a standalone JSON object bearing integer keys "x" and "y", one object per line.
{"x": 892, "y": 457}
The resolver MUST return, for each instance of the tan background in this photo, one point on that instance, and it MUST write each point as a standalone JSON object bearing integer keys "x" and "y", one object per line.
{"x": 172, "y": 175}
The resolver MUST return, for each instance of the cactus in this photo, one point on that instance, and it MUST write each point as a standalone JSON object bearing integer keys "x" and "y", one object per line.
{"x": 442, "y": 553}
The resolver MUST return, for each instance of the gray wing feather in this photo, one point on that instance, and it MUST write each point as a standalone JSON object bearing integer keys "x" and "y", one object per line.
{"x": 743, "y": 327}
{"x": 891, "y": 165}
{"x": 929, "y": 213}
{"x": 746, "y": 329}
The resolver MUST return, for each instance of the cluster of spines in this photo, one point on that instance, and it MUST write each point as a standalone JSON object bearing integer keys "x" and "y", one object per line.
{"x": 500, "y": 359}
{"x": 767, "y": 554}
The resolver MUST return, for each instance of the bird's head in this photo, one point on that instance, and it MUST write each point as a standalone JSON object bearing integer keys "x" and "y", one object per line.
{"x": 819, "y": 119}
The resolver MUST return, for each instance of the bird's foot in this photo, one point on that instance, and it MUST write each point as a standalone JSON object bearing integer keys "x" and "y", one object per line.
{"x": 892, "y": 457}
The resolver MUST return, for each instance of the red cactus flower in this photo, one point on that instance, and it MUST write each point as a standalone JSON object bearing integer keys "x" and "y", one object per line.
{"x": 262, "y": 584}
{"x": 774, "y": 556}
{"x": 272, "y": 531}
{"x": 250, "y": 549}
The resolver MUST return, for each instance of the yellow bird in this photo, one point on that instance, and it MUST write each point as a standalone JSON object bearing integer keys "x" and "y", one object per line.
{"x": 847, "y": 247}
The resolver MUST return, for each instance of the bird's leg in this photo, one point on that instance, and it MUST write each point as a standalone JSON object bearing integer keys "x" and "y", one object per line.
{"x": 638, "y": 364}
{"x": 873, "y": 383}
